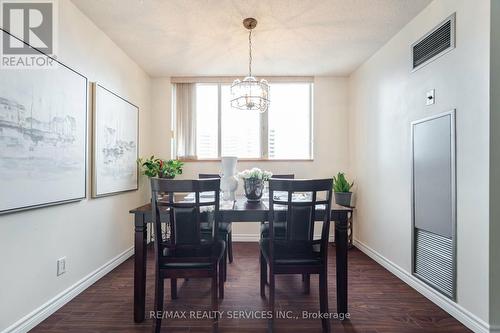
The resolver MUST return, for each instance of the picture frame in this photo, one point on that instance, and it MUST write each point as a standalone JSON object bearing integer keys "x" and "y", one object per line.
{"x": 115, "y": 147}
{"x": 43, "y": 136}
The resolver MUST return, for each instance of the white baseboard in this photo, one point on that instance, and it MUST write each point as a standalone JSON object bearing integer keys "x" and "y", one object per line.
{"x": 470, "y": 320}
{"x": 38, "y": 315}
{"x": 256, "y": 237}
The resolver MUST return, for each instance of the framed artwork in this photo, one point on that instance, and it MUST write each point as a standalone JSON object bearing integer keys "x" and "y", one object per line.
{"x": 43, "y": 137}
{"x": 115, "y": 146}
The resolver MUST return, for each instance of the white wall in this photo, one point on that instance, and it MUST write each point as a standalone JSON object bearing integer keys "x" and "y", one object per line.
{"x": 384, "y": 98}
{"x": 161, "y": 112}
{"x": 495, "y": 167}
{"x": 89, "y": 233}
{"x": 331, "y": 144}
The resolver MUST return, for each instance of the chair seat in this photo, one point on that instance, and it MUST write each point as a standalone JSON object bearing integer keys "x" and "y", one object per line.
{"x": 292, "y": 252}
{"x": 279, "y": 230}
{"x": 186, "y": 265}
{"x": 204, "y": 250}
{"x": 224, "y": 227}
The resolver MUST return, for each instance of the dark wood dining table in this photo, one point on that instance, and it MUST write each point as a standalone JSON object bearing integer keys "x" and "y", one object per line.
{"x": 239, "y": 211}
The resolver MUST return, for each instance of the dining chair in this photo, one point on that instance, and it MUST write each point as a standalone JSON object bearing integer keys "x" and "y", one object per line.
{"x": 297, "y": 252}
{"x": 284, "y": 176}
{"x": 224, "y": 227}
{"x": 279, "y": 226}
{"x": 181, "y": 251}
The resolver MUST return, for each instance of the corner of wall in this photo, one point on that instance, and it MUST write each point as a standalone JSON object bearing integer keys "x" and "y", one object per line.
{"x": 494, "y": 232}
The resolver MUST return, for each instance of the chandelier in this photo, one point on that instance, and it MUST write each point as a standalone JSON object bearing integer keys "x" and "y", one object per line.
{"x": 250, "y": 94}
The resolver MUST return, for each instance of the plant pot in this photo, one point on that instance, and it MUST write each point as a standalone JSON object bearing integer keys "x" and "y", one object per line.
{"x": 254, "y": 188}
{"x": 343, "y": 198}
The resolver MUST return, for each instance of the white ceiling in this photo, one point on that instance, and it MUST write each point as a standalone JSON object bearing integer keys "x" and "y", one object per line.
{"x": 293, "y": 37}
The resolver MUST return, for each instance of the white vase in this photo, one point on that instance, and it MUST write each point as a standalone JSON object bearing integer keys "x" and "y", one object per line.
{"x": 228, "y": 181}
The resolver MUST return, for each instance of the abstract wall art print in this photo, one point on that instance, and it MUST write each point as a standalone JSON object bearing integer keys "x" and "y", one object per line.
{"x": 43, "y": 126}
{"x": 115, "y": 146}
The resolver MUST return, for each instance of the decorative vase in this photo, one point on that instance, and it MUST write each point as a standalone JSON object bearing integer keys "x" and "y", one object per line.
{"x": 343, "y": 198}
{"x": 228, "y": 180}
{"x": 253, "y": 189}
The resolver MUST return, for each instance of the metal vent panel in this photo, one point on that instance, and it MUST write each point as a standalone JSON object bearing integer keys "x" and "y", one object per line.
{"x": 434, "y": 257}
{"x": 436, "y": 43}
{"x": 434, "y": 261}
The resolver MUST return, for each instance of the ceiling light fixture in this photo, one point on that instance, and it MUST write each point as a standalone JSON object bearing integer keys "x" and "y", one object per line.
{"x": 250, "y": 94}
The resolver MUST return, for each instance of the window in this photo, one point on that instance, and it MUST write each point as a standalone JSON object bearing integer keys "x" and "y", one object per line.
{"x": 240, "y": 130}
{"x": 207, "y": 111}
{"x": 284, "y": 131}
{"x": 289, "y": 122}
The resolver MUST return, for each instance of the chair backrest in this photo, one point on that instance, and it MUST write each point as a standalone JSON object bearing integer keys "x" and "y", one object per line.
{"x": 208, "y": 175}
{"x": 284, "y": 176}
{"x": 300, "y": 215}
{"x": 215, "y": 175}
{"x": 185, "y": 213}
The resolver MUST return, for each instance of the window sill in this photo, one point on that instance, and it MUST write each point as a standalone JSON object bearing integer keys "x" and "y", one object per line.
{"x": 246, "y": 160}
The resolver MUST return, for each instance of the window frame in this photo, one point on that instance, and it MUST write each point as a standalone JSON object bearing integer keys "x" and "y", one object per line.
{"x": 264, "y": 129}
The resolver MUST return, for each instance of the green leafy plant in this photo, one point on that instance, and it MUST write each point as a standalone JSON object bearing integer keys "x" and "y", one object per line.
{"x": 171, "y": 168}
{"x": 149, "y": 166}
{"x": 156, "y": 167}
{"x": 340, "y": 183}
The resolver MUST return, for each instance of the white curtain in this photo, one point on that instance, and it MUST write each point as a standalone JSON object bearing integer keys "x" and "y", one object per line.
{"x": 185, "y": 113}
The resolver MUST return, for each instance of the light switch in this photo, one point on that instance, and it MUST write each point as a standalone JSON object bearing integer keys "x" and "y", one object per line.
{"x": 430, "y": 97}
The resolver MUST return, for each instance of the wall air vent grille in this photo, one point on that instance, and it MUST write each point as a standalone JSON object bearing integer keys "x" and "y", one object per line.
{"x": 434, "y": 261}
{"x": 434, "y": 44}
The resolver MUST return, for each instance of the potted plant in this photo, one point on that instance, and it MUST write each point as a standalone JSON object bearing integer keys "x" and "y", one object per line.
{"x": 156, "y": 167}
{"x": 253, "y": 183}
{"x": 342, "y": 190}
{"x": 170, "y": 168}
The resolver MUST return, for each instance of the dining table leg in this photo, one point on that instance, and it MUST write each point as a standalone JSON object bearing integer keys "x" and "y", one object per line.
{"x": 140, "y": 243}
{"x": 341, "y": 226}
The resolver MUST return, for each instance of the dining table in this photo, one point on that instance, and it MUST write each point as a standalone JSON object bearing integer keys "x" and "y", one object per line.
{"x": 240, "y": 210}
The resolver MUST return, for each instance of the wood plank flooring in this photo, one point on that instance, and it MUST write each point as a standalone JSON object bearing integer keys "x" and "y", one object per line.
{"x": 378, "y": 302}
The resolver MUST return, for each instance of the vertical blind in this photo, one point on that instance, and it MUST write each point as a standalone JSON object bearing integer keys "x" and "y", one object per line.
{"x": 185, "y": 115}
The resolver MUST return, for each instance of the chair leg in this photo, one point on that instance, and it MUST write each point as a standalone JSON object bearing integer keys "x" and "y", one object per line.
{"x": 215, "y": 301}
{"x": 221, "y": 278}
{"x": 307, "y": 283}
{"x": 173, "y": 288}
{"x": 323, "y": 300}
{"x": 230, "y": 246}
{"x": 159, "y": 294}
{"x": 225, "y": 264}
{"x": 263, "y": 275}
{"x": 271, "y": 299}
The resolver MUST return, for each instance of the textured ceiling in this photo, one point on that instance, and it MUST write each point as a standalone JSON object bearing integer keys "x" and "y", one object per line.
{"x": 293, "y": 37}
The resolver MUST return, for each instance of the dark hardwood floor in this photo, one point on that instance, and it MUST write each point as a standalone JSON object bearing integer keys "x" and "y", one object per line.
{"x": 378, "y": 302}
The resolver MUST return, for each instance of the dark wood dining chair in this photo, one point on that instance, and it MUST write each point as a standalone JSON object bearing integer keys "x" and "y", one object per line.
{"x": 181, "y": 251}
{"x": 297, "y": 252}
{"x": 284, "y": 176}
{"x": 279, "y": 226}
{"x": 224, "y": 227}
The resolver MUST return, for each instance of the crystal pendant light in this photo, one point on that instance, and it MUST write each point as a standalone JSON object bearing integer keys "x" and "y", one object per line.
{"x": 249, "y": 93}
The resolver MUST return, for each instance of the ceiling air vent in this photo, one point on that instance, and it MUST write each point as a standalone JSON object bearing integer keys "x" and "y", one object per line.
{"x": 437, "y": 42}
